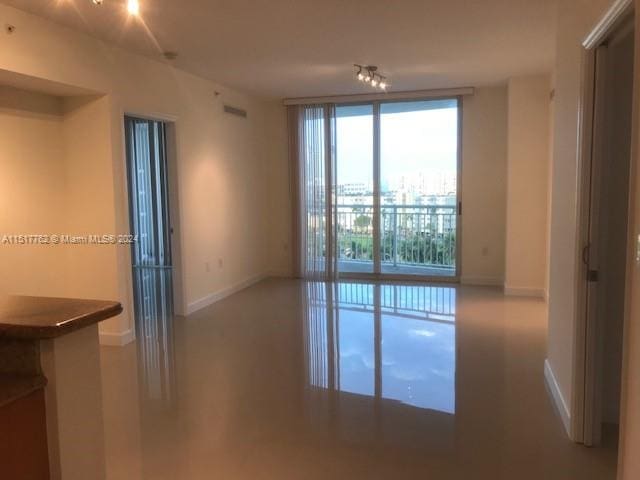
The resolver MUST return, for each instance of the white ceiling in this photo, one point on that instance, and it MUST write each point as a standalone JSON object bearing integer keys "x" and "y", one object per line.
{"x": 292, "y": 48}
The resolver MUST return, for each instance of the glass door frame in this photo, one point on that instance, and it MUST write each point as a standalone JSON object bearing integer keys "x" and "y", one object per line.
{"x": 377, "y": 265}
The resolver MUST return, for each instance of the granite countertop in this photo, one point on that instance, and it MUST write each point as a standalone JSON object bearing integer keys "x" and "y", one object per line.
{"x": 34, "y": 318}
{"x": 14, "y": 387}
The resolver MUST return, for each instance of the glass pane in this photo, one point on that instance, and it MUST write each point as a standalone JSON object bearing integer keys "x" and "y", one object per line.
{"x": 149, "y": 211}
{"x": 354, "y": 175}
{"x": 418, "y": 184}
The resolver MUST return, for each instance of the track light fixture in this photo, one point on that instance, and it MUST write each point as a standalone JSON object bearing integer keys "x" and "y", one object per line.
{"x": 369, "y": 74}
{"x": 133, "y": 6}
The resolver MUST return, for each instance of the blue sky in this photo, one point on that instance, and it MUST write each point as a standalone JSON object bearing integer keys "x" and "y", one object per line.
{"x": 413, "y": 139}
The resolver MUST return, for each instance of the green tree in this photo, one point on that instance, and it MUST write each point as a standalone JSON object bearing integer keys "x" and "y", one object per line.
{"x": 362, "y": 222}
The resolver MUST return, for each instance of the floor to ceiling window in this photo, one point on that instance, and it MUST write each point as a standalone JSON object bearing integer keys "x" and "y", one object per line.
{"x": 396, "y": 180}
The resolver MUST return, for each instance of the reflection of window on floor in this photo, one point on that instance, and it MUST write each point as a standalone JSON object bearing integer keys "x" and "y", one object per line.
{"x": 416, "y": 364}
{"x": 356, "y": 357}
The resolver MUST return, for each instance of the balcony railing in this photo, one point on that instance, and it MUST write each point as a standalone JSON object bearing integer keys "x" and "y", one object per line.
{"x": 411, "y": 235}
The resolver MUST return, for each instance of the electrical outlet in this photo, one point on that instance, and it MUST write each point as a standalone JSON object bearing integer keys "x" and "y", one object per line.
{"x": 207, "y": 267}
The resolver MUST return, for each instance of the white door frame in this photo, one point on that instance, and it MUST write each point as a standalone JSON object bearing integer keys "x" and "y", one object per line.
{"x": 584, "y": 361}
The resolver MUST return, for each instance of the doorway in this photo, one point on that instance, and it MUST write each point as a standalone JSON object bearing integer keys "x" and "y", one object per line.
{"x": 397, "y": 200}
{"x": 151, "y": 259}
{"x": 604, "y": 230}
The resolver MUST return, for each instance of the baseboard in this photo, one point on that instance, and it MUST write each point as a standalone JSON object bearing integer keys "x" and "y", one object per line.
{"x": 117, "y": 339}
{"x": 524, "y": 292}
{"x": 221, "y": 294}
{"x": 482, "y": 281}
{"x": 558, "y": 399}
{"x": 279, "y": 274}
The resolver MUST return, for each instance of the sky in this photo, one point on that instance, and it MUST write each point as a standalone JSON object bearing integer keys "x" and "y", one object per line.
{"x": 413, "y": 140}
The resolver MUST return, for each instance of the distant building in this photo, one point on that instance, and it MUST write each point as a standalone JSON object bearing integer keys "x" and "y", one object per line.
{"x": 353, "y": 189}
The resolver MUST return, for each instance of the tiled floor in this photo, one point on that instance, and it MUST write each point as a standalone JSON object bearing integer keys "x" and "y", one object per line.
{"x": 293, "y": 380}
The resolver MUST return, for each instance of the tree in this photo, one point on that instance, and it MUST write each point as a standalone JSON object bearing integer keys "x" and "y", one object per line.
{"x": 362, "y": 222}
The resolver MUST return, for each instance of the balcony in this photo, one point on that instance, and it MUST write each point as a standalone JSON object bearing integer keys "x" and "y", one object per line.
{"x": 414, "y": 239}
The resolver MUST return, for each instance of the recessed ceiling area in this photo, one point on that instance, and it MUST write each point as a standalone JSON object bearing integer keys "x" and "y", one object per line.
{"x": 294, "y": 48}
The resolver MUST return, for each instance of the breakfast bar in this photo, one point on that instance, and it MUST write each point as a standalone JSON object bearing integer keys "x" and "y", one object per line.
{"x": 50, "y": 386}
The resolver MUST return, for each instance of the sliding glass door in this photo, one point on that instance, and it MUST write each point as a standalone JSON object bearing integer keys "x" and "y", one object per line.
{"x": 396, "y": 200}
{"x": 355, "y": 192}
{"x": 419, "y": 187}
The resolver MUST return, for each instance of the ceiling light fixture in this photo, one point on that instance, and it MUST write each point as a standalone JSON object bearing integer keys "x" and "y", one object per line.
{"x": 369, "y": 74}
{"x": 97, "y": 2}
{"x": 133, "y": 7}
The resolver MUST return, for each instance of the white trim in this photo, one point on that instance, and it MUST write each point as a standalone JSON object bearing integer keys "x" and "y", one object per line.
{"x": 368, "y": 97}
{"x": 524, "y": 292}
{"x": 117, "y": 339}
{"x": 482, "y": 281}
{"x": 558, "y": 399}
{"x": 615, "y": 13}
{"x": 221, "y": 294}
{"x": 279, "y": 274}
{"x": 153, "y": 116}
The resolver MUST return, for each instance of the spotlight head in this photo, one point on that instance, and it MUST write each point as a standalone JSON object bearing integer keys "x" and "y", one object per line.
{"x": 97, "y": 2}
{"x": 133, "y": 7}
{"x": 374, "y": 81}
{"x": 383, "y": 85}
{"x": 361, "y": 76}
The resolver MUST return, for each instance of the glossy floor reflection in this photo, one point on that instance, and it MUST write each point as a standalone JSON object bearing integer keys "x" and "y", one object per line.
{"x": 291, "y": 379}
{"x": 387, "y": 341}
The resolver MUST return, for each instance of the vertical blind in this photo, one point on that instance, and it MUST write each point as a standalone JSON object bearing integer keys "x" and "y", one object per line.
{"x": 148, "y": 199}
{"x": 151, "y": 252}
{"x": 314, "y": 185}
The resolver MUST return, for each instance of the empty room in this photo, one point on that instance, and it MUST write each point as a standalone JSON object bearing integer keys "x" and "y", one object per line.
{"x": 319, "y": 239}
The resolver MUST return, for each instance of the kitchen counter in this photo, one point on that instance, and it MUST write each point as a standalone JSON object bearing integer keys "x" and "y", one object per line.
{"x": 23, "y": 317}
{"x": 50, "y": 357}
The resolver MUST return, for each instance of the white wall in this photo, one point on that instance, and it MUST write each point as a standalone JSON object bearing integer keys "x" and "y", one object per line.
{"x": 484, "y": 157}
{"x": 32, "y": 185}
{"x": 222, "y": 160}
{"x": 280, "y": 215}
{"x": 527, "y": 185}
{"x": 552, "y": 122}
{"x": 575, "y": 19}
